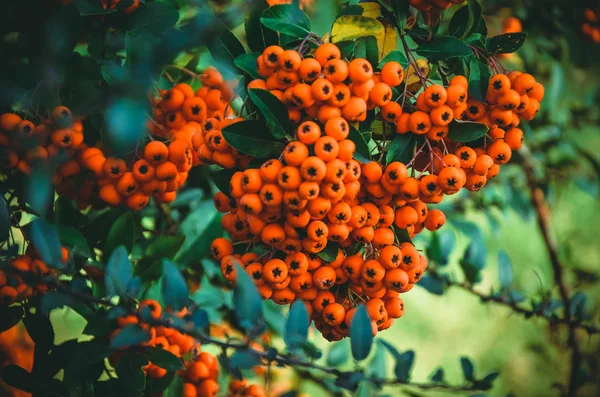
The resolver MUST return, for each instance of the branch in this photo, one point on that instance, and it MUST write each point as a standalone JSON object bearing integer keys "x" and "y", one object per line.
{"x": 515, "y": 307}
{"x": 542, "y": 210}
{"x": 268, "y": 357}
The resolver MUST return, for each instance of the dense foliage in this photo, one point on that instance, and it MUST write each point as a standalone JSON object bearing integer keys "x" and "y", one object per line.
{"x": 206, "y": 198}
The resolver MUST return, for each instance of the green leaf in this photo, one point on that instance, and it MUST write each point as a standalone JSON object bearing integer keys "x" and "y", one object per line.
{"x": 223, "y": 44}
{"x": 486, "y": 382}
{"x": 577, "y": 306}
{"x": 72, "y": 238}
{"x": 121, "y": 233}
{"x": 165, "y": 247}
{"x": 404, "y": 363}
{"x": 347, "y": 48}
{"x": 467, "y": 368}
{"x": 361, "y": 333}
{"x": 175, "y": 388}
{"x": 287, "y": 19}
{"x": 46, "y": 243}
{"x": 174, "y": 287}
{"x": 130, "y": 335}
{"x": 330, "y": 252}
{"x": 377, "y": 367}
{"x": 40, "y": 330}
{"x": 366, "y": 47}
{"x": 163, "y": 358}
{"x": 247, "y": 300}
{"x": 258, "y": 36}
{"x": 394, "y": 56}
{"x": 132, "y": 379}
{"x": 338, "y": 354}
{"x": 442, "y": 243}
{"x": 4, "y": 221}
{"x": 438, "y": 376}
{"x": 473, "y": 260}
{"x": 275, "y": 112}
{"x": 92, "y": 7}
{"x": 444, "y": 47}
{"x": 296, "y": 327}
{"x": 362, "y": 152}
{"x": 9, "y": 316}
{"x": 244, "y": 359}
{"x": 17, "y": 377}
{"x": 505, "y": 273}
{"x": 154, "y": 18}
{"x": 506, "y": 43}
{"x": 431, "y": 284}
{"x": 119, "y": 272}
{"x": 466, "y": 131}
{"x": 252, "y": 137}
{"x": 38, "y": 188}
{"x": 53, "y": 300}
{"x": 200, "y": 227}
{"x": 479, "y": 78}
{"x": 125, "y": 118}
{"x": 465, "y": 20}
{"x": 248, "y": 64}
{"x": 400, "y": 9}
{"x": 400, "y": 149}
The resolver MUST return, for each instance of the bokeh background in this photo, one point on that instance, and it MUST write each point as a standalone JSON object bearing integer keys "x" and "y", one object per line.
{"x": 442, "y": 326}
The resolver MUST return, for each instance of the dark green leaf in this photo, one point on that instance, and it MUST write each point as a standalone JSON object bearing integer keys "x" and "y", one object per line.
{"x": 92, "y": 7}
{"x": 46, "y": 243}
{"x": 247, "y": 63}
{"x": 353, "y": 9}
{"x": 362, "y": 152}
{"x": 246, "y": 299}
{"x": 38, "y": 188}
{"x": 444, "y": 47}
{"x": 165, "y": 247}
{"x": 129, "y": 371}
{"x": 4, "y": 221}
{"x": 473, "y": 261}
{"x": 577, "y": 306}
{"x": 200, "y": 227}
{"x": 506, "y": 43}
{"x": 40, "y": 330}
{"x": 466, "y": 20}
{"x": 479, "y": 78}
{"x": 394, "y": 56}
{"x": 163, "y": 358}
{"x": 223, "y": 44}
{"x": 275, "y": 112}
{"x": 200, "y": 319}
{"x": 338, "y": 354}
{"x": 72, "y": 238}
{"x": 367, "y": 48}
{"x": 53, "y": 300}
{"x": 252, "y": 137}
{"x": 119, "y": 272}
{"x": 17, "y": 377}
{"x": 486, "y": 382}
{"x": 377, "y": 368}
{"x": 505, "y": 273}
{"x": 121, "y": 233}
{"x": 467, "y": 368}
{"x": 466, "y": 131}
{"x": 174, "y": 287}
{"x": 244, "y": 359}
{"x": 433, "y": 285}
{"x": 130, "y": 335}
{"x": 438, "y": 376}
{"x": 9, "y": 316}
{"x": 400, "y": 9}
{"x": 154, "y": 18}
{"x": 125, "y": 118}
{"x": 442, "y": 243}
{"x": 258, "y": 37}
{"x": 404, "y": 363}
{"x": 175, "y": 388}
{"x": 347, "y": 48}
{"x": 296, "y": 327}
{"x": 286, "y": 18}
{"x": 221, "y": 179}
{"x": 400, "y": 149}
{"x": 361, "y": 333}
{"x": 330, "y": 252}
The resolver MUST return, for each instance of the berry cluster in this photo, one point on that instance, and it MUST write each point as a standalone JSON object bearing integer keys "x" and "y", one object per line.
{"x": 590, "y": 26}
{"x": 201, "y": 369}
{"x": 316, "y": 194}
{"x": 20, "y": 277}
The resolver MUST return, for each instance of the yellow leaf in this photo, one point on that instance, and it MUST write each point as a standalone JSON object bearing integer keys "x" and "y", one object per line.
{"x": 371, "y": 9}
{"x": 413, "y": 81}
{"x": 390, "y": 41}
{"x": 351, "y": 27}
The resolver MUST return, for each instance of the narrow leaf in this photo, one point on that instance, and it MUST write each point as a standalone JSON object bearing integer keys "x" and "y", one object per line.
{"x": 466, "y": 131}
{"x": 46, "y": 243}
{"x": 275, "y": 112}
{"x": 174, "y": 287}
{"x": 361, "y": 333}
{"x": 505, "y": 273}
{"x": 287, "y": 19}
{"x": 247, "y": 300}
{"x": 296, "y": 327}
